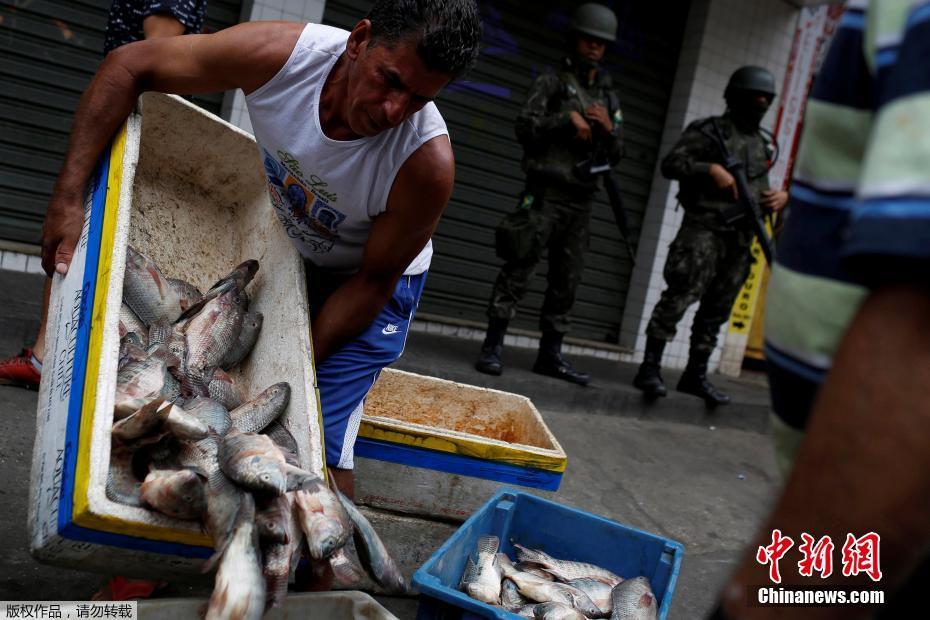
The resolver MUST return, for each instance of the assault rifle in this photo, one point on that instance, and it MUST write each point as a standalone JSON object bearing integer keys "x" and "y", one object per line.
{"x": 747, "y": 200}
{"x": 598, "y": 165}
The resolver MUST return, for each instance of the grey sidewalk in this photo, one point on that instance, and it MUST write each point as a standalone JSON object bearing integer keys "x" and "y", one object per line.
{"x": 611, "y": 391}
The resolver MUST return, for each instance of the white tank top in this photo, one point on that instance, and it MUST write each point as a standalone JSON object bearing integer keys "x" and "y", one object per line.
{"x": 327, "y": 192}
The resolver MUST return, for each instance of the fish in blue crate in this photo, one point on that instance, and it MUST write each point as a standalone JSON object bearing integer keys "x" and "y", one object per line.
{"x": 541, "y": 586}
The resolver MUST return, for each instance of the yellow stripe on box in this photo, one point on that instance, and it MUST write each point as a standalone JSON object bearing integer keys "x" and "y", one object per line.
{"x": 463, "y": 446}
{"x": 81, "y": 513}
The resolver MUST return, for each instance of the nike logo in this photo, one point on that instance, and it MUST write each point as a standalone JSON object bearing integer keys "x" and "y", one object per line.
{"x": 389, "y": 329}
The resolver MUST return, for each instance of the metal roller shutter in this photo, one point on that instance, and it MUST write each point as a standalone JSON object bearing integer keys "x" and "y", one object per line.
{"x": 49, "y": 50}
{"x": 519, "y": 44}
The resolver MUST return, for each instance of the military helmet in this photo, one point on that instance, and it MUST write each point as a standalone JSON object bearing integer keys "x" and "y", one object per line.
{"x": 751, "y": 78}
{"x": 595, "y": 20}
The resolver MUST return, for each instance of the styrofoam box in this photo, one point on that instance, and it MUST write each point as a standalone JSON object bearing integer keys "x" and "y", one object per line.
{"x": 187, "y": 189}
{"x": 439, "y": 448}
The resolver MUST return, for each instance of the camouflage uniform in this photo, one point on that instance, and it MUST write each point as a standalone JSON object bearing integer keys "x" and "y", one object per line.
{"x": 562, "y": 198}
{"x": 709, "y": 259}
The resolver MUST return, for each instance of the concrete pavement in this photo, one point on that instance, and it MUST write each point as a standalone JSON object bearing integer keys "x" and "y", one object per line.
{"x": 704, "y": 479}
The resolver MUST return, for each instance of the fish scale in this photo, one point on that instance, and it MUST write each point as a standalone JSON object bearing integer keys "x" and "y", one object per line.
{"x": 633, "y": 600}
{"x": 255, "y": 415}
{"x": 147, "y": 292}
{"x": 223, "y": 389}
{"x": 251, "y": 326}
{"x": 209, "y": 336}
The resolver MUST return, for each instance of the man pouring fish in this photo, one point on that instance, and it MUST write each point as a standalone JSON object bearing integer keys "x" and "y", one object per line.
{"x": 357, "y": 157}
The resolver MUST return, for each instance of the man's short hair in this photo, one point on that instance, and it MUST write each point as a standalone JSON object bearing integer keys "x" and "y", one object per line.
{"x": 447, "y": 32}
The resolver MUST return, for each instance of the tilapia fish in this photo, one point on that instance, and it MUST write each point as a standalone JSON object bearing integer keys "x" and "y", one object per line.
{"x": 179, "y": 493}
{"x": 211, "y": 413}
{"x": 556, "y": 611}
{"x": 511, "y": 599}
{"x": 482, "y": 577}
{"x": 223, "y": 498}
{"x": 597, "y": 591}
{"x": 209, "y": 335}
{"x": 131, "y": 324}
{"x": 271, "y": 520}
{"x": 544, "y": 591}
{"x": 122, "y": 485}
{"x": 223, "y": 389}
{"x": 375, "y": 557}
{"x": 534, "y": 569}
{"x": 633, "y": 600}
{"x": 142, "y": 422}
{"x": 152, "y": 296}
{"x": 280, "y": 554}
{"x": 253, "y": 461}
{"x": 238, "y": 278}
{"x": 184, "y": 425}
{"x": 239, "y": 591}
{"x": 140, "y": 382}
{"x": 323, "y": 518}
{"x": 348, "y": 575}
{"x": 251, "y": 326}
{"x": 566, "y": 570}
{"x": 262, "y": 410}
{"x": 282, "y": 437}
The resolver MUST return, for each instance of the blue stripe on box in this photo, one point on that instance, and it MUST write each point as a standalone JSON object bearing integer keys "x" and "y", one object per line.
{"x": 79, "y": 366}
{"x": 457, "y": 464}
{"x": 76, "y": 532}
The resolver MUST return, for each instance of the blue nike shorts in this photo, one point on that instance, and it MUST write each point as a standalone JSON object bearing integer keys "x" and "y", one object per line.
{"x": 345, "y": 378}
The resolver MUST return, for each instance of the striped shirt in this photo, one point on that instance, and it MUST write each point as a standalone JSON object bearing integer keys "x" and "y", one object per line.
{"x": 859, "y": 214}
{"x": 126, "y": 16}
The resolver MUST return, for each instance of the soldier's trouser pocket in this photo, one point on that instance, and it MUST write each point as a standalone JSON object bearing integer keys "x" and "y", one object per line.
{"x": 517, "y": 237}
{"x": 691, "y": 261}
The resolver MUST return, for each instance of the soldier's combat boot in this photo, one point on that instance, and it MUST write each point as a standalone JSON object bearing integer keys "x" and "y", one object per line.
{"x": 694, "y": 381}
{"x": 489, "y": 361}
{"x": 550, "y": 362}
{"x": 649, "y": 378}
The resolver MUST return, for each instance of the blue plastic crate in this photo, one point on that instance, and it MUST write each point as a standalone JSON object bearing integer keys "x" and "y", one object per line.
{"x": 563, "y": 532}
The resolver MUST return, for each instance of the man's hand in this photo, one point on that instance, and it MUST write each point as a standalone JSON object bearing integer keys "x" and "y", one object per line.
{"x": 60, "y": 233}
{"x": 582, "y": 128}
{"x": 723, "y": 179}
{"x": 774, "y": 201}
{"x": 599, "y": 114}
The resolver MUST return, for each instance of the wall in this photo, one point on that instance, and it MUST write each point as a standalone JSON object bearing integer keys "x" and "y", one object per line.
{"x": 720, "y": 36}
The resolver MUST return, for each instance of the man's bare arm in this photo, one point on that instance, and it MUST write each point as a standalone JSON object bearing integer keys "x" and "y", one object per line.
{"x": 864, "y": 465}
{"x": 243, "y": 56}
{"x": 417, "y": 199}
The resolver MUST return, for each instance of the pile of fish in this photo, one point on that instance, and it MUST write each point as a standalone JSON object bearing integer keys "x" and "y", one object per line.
{"x": 540, "y": 586}
{"x": 187, "y": 443}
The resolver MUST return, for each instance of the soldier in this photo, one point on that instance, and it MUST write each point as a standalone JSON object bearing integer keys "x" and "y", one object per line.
{"x": 709, "y": 259}
{"x": 570, "y": 123}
